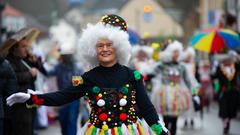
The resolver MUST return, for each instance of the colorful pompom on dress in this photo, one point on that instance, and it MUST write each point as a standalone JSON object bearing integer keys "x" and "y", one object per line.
{"x": 116, "y": 96}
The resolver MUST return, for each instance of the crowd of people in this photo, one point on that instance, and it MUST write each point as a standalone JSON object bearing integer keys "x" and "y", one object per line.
{"x": 130, "y": 89}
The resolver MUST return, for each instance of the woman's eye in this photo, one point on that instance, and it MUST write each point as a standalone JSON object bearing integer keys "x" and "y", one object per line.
{"x": 100, "y": 46}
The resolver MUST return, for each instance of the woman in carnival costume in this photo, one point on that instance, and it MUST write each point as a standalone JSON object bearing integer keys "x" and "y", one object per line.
{"x": 188, "y": 58}
{"x": 171, "y": 95}
{"x": 142, "y": 61}
{"x": 227, "y": 73}
{"x": 114, "y": 90}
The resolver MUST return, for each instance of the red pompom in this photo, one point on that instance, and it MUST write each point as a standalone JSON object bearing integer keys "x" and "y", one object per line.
{"x": 103, "y": 116}
{"x": 36, "y": 100}
{"x": 123, "y": 116}
{"x": 120, "y": 95}
{"x": 97, "y": 98}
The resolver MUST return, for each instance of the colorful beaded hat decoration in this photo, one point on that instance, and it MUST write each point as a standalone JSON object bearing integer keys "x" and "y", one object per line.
{"x": 114, "y": 20}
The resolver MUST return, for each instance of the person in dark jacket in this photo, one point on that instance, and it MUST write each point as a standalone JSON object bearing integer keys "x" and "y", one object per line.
{"x": 227, "y": 73}
{"x": 26, "y": 69}
{"x": 8, "y": 86}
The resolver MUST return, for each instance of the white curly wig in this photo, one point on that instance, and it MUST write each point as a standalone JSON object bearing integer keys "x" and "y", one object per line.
{"x": 188, "y": 51}
{"x": 90, "y": 36}
{"x": 137, "y": 48}
{"x": 166, "y": 55}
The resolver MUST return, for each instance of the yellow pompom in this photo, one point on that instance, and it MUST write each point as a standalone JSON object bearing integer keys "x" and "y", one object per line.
{"x": 105, "y": 127}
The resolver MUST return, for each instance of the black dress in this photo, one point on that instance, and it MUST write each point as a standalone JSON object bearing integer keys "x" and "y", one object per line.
{"x": 228, "y": 93}
{"x": 115, "y": 93}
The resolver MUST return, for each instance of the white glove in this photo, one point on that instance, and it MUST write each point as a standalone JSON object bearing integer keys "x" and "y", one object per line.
{"x": 29, "y": 91}
{"x": 17, "y": 98}
{"x": 160, "y": 121}
{"x": 196, "y": 99}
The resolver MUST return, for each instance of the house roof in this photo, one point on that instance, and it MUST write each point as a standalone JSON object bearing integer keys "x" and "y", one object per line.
{"x": 43, "y": 11}
{"x": 10, "y": 11}
{"x": 31, "y": 22}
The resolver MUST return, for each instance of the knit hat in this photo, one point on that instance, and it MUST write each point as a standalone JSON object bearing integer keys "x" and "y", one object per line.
{"x": 114, "y": 20}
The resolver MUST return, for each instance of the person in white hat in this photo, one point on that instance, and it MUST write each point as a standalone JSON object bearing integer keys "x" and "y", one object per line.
{"x": 115, "y": 91}
{"x": 64, "y": 71}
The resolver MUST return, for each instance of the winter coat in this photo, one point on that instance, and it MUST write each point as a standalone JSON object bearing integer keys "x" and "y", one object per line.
{"x": 8, "y": 85}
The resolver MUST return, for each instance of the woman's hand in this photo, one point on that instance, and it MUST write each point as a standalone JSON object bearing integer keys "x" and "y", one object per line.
{"x": 17, "y": 98}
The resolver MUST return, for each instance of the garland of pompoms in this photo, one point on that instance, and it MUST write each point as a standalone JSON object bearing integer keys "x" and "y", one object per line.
{"x": 114, "y": 20}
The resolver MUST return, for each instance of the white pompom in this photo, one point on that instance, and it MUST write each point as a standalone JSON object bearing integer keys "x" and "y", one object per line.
{"x": 100, "y": 102}
{"x": 123, "y": 102}
{"x": 171, "y": 72}
{"x": 177, "y": 73}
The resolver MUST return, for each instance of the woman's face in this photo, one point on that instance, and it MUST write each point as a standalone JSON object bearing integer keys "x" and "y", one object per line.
{"x": 175, "y": 55}
{"x": 142, "y": 55}
{"x": 22, "y": 49}
{"x": 106, "y": 53}
{"x": 188, "y": 58}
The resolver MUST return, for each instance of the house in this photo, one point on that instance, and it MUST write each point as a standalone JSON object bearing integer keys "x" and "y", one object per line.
{"x": 148, "y": 17}
{"x": 13, "y": 20}
{"x": 154, "y": 23}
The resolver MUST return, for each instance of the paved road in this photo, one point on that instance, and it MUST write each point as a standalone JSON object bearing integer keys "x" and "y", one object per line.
{"x": 210, "y": 125}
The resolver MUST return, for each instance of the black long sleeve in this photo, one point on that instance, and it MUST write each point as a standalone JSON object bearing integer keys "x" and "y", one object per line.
{"x": 60, "y": 97}
{"x": 11, "y": 86}
{"x": 145, "y": 106}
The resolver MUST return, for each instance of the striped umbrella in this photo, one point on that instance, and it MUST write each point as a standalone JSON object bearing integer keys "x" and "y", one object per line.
{"x": 215, "y": 40}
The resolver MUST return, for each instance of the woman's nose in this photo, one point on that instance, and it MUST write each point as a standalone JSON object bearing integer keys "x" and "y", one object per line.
{"x": 105, "y": 47}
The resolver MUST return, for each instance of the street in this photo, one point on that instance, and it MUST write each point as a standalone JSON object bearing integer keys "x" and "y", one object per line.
{"x": 210, "y": 125}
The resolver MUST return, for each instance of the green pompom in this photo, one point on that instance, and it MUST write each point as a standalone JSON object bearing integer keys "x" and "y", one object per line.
{"x": 137, "y": 75}
{"x": 157, "y": 128}
{"x": 95, "y": 89}
{"x": 216, "y": 86}
{"x": 124, "y": 90}
{"x": 194, "y": 91}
